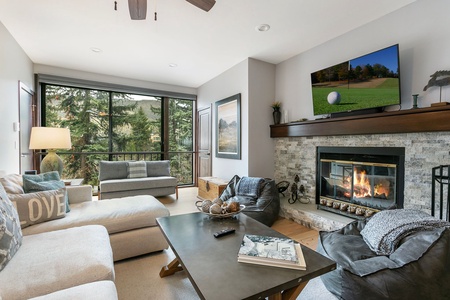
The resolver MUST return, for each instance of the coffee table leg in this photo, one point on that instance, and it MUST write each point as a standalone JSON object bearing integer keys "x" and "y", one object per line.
{"x": 173, "y": 267}
{"x": 290, "y": 294}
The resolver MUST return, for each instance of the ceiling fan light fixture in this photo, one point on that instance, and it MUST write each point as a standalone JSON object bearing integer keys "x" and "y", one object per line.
{"x": 262, "y": 27}
{"x": 206, "y": 5}
{"x": 138, "y": 9}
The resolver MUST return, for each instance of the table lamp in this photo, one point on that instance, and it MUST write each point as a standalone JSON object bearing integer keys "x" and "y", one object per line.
{"x": 50, "y": 138}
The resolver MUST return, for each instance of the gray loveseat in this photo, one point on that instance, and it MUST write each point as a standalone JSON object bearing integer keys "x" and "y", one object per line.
{"x": 117, "y": 180}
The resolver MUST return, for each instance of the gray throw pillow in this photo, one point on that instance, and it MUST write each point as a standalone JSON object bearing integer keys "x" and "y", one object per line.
{"x": 137, "y": 169}
{"x": 158, "y": 168}
{"x": 44, "y": 182}
{"x": 34, "y": 208}
{"x": 11, "y": 233}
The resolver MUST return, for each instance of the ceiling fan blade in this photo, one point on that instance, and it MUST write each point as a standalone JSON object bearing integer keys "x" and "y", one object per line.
{"x": 138, "y": 9}
{"x": 206, "y": 5}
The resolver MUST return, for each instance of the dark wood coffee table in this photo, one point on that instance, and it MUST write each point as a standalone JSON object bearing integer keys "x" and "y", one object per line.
{"x": 211, "y": 263}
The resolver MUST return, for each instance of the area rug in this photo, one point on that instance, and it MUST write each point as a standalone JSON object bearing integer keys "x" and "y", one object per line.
{"x": 138, "y": 279}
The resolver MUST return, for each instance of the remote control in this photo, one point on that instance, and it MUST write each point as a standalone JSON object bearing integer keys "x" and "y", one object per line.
{"x": 224, "y": 232}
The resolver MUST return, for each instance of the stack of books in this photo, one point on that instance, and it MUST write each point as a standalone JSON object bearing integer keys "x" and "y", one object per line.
{"x": 271, "y": 251}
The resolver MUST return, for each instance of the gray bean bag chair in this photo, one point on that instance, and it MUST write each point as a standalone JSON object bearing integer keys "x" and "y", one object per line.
{"x": 259, "y": 195}
{"x": 416, "y": 265}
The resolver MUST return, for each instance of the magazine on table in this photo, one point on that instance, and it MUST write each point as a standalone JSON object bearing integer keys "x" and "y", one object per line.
{"x": 271, "y": 251}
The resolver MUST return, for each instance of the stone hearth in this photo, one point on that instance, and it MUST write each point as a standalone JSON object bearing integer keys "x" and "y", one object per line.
{"x": 297, "y": 155}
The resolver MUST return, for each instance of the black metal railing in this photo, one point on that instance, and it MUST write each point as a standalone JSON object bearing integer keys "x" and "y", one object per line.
{"x": 85, "y": 164}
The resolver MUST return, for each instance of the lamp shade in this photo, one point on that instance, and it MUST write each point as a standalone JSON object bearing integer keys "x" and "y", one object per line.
{"x": 50, "y": 138}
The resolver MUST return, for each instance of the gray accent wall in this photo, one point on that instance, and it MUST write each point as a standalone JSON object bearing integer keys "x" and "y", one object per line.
{"x": 15, "y": 66}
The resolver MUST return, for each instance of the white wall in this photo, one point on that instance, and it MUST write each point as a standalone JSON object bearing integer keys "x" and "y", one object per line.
{"x": 229, "y": 83}
{"x": 15, "y": 66}
{"x": 421, "y": 29}
{"x": 255, "y": 80}
{"x": 261, "y": 95}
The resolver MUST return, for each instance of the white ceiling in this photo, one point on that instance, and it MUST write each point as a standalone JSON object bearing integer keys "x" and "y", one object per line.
{"x": 202, "y": 44}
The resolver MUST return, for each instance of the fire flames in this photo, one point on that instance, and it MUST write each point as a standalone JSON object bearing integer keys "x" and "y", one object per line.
{"x": 362, "y": 187}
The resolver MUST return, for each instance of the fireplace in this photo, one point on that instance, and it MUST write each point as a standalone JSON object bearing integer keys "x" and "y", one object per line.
{"x": 359, "y": 181}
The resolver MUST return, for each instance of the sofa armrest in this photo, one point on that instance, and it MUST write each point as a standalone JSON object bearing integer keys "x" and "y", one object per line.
{"x": 78, "y": 194}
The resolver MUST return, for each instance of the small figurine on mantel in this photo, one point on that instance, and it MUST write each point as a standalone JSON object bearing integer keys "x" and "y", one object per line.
{"x": 440, "y": 79}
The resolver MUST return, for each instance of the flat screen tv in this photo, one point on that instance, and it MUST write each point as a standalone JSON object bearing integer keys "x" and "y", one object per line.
{"x": 364, "y": 84}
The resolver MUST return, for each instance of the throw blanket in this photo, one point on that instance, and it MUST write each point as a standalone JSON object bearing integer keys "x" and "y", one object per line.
{"x": 249, "y": 186}
{"x": 387, "y": 228}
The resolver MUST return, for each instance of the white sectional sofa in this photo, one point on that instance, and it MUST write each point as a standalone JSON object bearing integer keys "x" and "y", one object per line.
{"x": 151, "y": 178}
{"x": 71, "y": 255}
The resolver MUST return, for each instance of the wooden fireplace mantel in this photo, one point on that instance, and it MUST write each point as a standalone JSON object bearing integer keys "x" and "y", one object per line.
{"x": 412, "y": 120}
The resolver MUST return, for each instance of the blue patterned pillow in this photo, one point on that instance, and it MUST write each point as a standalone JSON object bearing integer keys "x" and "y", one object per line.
{"x": 11, "y": 233}
{"x": 44, "y": 182}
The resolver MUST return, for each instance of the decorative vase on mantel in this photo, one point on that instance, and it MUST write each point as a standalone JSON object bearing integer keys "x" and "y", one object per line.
{"x": 276, "y": 106}
{"x": 276, "y": 116}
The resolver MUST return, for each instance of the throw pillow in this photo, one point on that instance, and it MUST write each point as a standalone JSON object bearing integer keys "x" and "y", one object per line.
{"x": 34, "y": 208}
{"x": 137, "y": 169}
{"x": 11, "y": 233}
{"x": 12, "y": 184}
{"x": 48, "y": 176}
{"x": 44, "y": 182}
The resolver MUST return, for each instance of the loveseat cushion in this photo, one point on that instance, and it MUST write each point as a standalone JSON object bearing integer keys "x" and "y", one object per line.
{"x": 137, "y": 184}
{"x": 158, "y": 168}
{"x": 112, "y": 170}
{"x": 117, "y": 215}
{"x": 34, "y": 208}
{"x": 10, "y": 231}
{"x": 57, "y": 260}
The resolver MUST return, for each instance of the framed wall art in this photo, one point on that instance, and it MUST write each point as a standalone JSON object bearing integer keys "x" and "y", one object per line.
{"x": 228, "y": 127}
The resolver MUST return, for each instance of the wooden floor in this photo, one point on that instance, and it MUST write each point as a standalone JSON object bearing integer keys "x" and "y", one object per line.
{"x": 188, "y": 197}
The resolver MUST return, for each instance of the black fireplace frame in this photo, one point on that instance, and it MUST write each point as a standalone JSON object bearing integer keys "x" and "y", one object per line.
{"x": 371, "y": 154}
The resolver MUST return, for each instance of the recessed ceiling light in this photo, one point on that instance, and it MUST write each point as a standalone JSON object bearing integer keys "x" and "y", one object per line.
{"x": 173, "y": 65}
{"x": 262, "y": 27}
{"x": 96, "y": 50}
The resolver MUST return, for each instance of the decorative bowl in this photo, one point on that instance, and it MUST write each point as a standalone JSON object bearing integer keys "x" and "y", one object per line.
{"x": 219, "y": 216}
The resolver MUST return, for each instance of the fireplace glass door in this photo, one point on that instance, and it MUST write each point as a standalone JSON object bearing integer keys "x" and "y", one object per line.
{"x": 371, "y": 185}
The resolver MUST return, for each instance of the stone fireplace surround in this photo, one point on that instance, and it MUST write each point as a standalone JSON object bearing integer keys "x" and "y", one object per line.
{"x": 297, "y": 155}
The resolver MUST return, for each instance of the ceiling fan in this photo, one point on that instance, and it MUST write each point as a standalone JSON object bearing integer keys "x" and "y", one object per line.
{"x": 138, "y": 8}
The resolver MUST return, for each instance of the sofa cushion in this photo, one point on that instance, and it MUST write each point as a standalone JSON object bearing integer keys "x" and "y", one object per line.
{"x": 34, "y": 208}
{"x": 158, "y": 168}
{"x": 112, "y": 170}
{"x": 99, "y": 290}
{"x": 136, "y": 169}
{"x": 10, "y": 231}
{"x": 117, "y": 215}
{"x": 12, "y": 184}
{"x": 137, "y": 184}
{"x": 57, "y": 260}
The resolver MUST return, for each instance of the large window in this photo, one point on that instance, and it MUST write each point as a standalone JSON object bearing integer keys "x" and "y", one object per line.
{"x": 110, "y": 125}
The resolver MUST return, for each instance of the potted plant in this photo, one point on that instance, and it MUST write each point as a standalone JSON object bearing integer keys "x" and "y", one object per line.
{"x": 276, "y": 112}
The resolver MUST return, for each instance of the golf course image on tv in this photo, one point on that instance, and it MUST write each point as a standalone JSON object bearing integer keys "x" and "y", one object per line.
{"x": 369, "y": 81}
